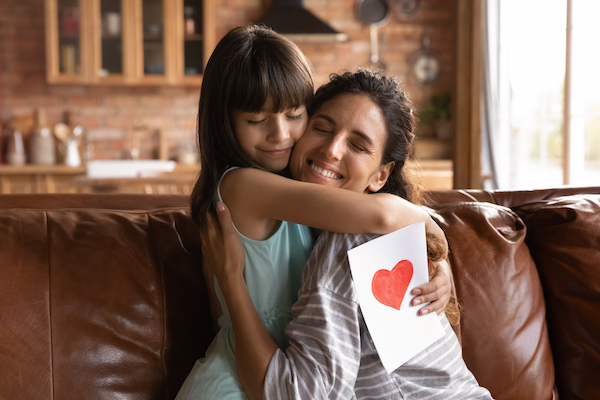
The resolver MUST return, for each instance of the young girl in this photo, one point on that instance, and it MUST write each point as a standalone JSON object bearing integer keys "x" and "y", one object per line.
{"x": 251, "y": 113}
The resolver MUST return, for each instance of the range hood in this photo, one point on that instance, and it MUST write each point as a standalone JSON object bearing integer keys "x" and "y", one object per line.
{"x": 291, "y": 19}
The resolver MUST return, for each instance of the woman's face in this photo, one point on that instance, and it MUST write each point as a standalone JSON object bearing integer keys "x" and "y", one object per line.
{"x": 342, "y": 145}
{"x": 269, "y": 137}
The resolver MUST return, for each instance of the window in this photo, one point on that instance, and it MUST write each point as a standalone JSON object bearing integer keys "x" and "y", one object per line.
{"x": 548, "y": 91}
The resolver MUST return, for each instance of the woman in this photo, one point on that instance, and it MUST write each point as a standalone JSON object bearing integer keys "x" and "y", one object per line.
{"x": 358, "y": 137}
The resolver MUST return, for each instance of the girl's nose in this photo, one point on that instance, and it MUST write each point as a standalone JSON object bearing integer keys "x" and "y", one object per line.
{"x": 279, "y": 131}
{"x": 333, "y": 148}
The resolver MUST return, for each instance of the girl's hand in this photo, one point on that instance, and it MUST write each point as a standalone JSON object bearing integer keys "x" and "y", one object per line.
{"x": 222, "y": 247}
{"x": 437, "y": 291}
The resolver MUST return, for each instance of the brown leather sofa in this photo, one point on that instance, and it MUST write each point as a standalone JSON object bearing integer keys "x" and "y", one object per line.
{"x": 102, "y": 296}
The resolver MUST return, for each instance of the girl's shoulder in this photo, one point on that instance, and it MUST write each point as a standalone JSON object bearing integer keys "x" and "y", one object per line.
{"x": 248, "y": 193}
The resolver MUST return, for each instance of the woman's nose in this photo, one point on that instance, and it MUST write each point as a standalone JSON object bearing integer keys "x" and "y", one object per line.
{"x": 334, "y": 147}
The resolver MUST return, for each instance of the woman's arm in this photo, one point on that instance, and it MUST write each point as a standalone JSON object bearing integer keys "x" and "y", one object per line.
{"x": 253, "y": 196}
{"x": 213, "y": 301}
{"x": 254, "y": 346}
{"x": 255, "y": 350}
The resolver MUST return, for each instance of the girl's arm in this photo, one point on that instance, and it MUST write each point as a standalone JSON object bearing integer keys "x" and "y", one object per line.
{"x": 254, "y": 196}
{"x": 437, "y": 291}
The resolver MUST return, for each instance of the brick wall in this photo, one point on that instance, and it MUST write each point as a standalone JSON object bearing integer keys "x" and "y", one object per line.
{"x": 111, "y": 114}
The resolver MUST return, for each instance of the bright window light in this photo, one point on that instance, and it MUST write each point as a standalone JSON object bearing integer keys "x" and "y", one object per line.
{"x": 532, "y": 151}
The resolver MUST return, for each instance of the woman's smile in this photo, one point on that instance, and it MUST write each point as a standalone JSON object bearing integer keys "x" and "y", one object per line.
{"x": 323, "y": 170}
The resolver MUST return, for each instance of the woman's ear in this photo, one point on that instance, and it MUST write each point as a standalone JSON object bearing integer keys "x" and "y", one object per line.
{"x": 379, "y": 179}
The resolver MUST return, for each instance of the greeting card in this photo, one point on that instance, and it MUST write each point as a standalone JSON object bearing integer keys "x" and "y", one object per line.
{"x": 385, "y": 270}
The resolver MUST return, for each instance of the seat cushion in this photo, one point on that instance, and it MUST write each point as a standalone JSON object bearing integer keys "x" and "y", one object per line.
{"x": 503, "y": 327}
{"x": 564, "y": 239}
{"x": 99, "y": 303}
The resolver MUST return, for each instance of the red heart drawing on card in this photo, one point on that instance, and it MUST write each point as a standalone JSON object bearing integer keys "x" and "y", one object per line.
{"x": 389, "y": 287}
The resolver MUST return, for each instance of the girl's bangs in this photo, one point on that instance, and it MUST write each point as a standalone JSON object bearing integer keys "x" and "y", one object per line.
{"x": 273, "y": 87}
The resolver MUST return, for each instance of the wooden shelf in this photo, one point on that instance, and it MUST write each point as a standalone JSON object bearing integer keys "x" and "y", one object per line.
{"x": 194, "y": 37}
{"x": 40, "y": 170}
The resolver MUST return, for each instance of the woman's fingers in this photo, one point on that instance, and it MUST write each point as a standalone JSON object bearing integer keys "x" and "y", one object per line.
{"x": 235, "y": 256}
{"x": 228, "y": 232}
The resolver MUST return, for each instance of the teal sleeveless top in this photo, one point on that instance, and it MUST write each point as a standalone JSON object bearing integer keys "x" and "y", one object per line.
{"x": 273, "y": 274}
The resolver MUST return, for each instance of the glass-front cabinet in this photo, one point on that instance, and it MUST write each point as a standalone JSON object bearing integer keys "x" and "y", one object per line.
{"x": 193, "y": 38}
{"x": 128, "y": 42}
{"x": 112, "y": 46}
{"x": 67, "y": 60}
{"x": 153, "y": 42}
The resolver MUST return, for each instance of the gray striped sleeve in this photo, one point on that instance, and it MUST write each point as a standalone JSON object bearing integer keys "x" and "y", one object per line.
{"x": 332, "y": 356}
{"x": 323, "y": 358}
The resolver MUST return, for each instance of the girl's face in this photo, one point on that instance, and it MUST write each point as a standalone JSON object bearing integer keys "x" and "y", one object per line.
{"x": 269, "y": 137}
{"x": 343, "y": 145}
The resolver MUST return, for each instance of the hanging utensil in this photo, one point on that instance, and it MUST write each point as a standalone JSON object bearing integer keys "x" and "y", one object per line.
{"x": 425, "y": 64}
{"x": 375, "y": 14}
{"x": 406, "y": 10}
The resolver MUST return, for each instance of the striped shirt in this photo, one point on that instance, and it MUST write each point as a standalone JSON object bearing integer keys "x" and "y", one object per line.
{"x": 331, "y": 354}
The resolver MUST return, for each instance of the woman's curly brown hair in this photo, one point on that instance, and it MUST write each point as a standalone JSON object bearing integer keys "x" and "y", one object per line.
{"x": 437, "y": 251}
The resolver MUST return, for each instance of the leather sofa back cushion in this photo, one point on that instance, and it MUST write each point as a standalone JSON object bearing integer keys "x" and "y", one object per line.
{"x": 94, "y": 301}
{"x": 498, "y": 285}
{"x": 564, "y": 238}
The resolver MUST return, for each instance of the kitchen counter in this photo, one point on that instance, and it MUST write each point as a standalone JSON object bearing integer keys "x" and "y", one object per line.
{"x": 38, "y": 178}
{"x": 433, "y": 175}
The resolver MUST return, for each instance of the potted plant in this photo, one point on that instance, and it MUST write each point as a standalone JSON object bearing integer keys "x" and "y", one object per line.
{"x": 436, "y": 114}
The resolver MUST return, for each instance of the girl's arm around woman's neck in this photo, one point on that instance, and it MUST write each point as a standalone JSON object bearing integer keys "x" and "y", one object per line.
{"x": 258, "y": 199}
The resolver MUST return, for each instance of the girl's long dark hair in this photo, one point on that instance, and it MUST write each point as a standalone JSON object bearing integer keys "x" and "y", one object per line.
{"x": 251, "y": 65}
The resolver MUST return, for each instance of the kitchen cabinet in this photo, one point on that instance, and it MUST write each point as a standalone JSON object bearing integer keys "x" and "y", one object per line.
{"x": 128, "y": 42}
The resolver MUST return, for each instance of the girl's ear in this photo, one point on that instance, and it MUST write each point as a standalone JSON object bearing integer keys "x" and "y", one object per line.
{"x": 379, "y": 179}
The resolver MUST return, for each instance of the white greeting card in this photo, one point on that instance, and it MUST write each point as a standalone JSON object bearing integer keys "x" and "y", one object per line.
{"x": 384, "y": 271}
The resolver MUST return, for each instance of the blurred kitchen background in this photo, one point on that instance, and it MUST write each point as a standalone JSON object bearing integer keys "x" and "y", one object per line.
{"x": 101, "y": 95}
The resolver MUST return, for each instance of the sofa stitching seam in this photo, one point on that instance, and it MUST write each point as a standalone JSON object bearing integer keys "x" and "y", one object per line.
{"x": 163, "y": 305}
{"x": 50, "y": 305}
